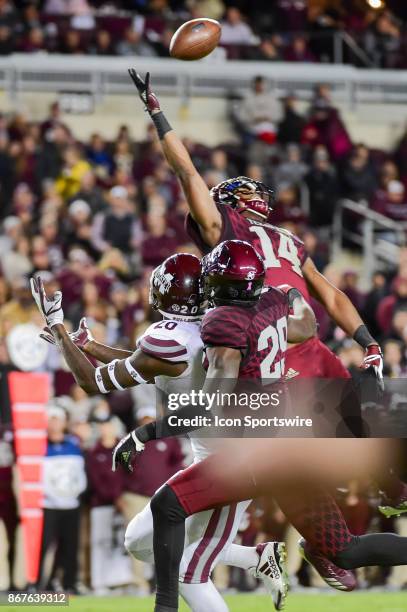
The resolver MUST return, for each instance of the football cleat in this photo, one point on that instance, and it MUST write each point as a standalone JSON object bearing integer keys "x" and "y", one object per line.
{"x": 395, "y": 510}
{"x": 272, "y": 571}
{"x": 334, "y": 576}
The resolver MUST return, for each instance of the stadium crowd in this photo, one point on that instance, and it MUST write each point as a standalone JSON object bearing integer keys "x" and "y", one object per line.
{"x": 285, "y": 30}
{"x": 95, "y": 217}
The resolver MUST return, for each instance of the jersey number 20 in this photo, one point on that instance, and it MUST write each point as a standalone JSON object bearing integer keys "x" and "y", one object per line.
{"x": 277, "y": 337}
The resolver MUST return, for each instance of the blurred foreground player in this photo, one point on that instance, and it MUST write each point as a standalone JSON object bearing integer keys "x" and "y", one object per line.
{"x": 170, "y": 354}
{"x": 245, "y": 336}
{"x": 239, "y": 209}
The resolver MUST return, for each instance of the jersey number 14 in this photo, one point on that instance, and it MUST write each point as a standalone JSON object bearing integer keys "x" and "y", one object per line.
{"x": 286, "y": 249}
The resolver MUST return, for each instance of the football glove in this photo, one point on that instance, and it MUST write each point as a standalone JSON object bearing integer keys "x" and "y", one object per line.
{"x": 374, "y": 359}
{"x": 81, "y": 337}
{"x": 148, "y": 98}
{"x": 50, "y": 308}
{"x": 125, "y": 451}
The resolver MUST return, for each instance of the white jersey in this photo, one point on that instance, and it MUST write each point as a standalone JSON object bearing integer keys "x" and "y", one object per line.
{"x": 178, "y": 341}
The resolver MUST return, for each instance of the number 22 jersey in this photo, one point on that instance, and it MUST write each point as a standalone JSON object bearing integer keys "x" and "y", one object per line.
{"x": 283, "y": 253}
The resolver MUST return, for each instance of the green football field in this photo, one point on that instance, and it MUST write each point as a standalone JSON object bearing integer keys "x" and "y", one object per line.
{"x": 297, "y": 602}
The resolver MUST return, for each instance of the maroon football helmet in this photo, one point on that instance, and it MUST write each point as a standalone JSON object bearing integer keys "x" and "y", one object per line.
{"x": 233, "y": 274}
{"x": 243, "y": 193}
{"x": 175, "y": 287}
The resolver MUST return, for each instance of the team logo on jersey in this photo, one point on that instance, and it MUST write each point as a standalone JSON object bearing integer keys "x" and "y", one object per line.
{"x": 291, "y": 373}
{"x": 163, "y": 282}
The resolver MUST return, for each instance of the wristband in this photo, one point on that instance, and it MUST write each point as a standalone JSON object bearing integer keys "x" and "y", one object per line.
{"x": 133, "y": 372}
{"x": 293, "y": 294}
{"x": 161, "y": 124}
{"x": 112, "y": 375}
{"x": 99, "y": 381}
{"x": 363, "y": 337}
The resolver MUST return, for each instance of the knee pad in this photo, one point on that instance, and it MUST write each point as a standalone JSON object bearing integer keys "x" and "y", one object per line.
{"x": 165, "y": 504}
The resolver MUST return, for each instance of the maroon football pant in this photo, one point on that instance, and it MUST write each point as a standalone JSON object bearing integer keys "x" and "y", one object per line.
{"x": 314, "y": 513}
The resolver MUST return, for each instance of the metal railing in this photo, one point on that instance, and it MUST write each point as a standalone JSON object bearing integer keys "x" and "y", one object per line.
{"x": 370, "y": 228}
{"x": 102, "y": 76}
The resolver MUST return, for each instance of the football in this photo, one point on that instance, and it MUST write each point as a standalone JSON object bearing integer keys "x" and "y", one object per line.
{"x": 195, "y": 39}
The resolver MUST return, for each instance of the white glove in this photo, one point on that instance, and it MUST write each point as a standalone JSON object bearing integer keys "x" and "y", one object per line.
{"x": 81, "y": 337}
{"x": 125, "y": 451}
{"x": 50, "y": 308}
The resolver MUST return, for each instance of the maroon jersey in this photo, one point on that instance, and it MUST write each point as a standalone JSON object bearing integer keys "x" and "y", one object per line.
{"x": 283, "y": 253}
{"x": 312, "y": 359}
{"x": 259, "y": 332}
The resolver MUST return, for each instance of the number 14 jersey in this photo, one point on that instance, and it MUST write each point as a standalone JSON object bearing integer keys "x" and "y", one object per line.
{"x": 283, "y": 253}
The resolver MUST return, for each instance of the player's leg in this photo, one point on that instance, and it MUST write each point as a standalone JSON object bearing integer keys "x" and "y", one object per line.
{"x": 138, "y": 538}
{"x": 202, "y": 597}
{"x": 194, "y": 490}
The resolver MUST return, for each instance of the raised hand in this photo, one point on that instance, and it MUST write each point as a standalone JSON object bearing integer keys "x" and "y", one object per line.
{"x": 147, "y": 96}
{"x": 49, "y": 307}
{"x": 81, "y": 337}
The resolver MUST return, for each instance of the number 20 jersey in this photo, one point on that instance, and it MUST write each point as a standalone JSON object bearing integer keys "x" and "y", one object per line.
{"x": 259, "y": 332}
{"x": 283, "y": 253}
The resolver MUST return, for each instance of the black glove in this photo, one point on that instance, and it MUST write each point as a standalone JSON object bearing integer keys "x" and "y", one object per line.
{"x": 125, "y": 451}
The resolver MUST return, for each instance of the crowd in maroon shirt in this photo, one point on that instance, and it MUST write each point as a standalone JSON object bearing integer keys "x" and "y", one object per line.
{"x": 285, "y": 30}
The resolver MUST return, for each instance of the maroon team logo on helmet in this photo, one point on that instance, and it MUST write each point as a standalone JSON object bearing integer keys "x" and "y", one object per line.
{"x": 233, "y": 273}
{"x": 244, "y": 193}
{"x": 175, "y": 287}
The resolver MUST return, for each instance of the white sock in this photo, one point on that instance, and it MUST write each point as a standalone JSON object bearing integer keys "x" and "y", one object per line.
{"x": 244, "y": 557}
{"x": 203, "y": 597}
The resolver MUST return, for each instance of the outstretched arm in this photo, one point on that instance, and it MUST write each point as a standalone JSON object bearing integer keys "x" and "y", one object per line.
{"x": 221, "y": 377}
{"x": 202, "y": 206}
{"x": 342, "y": 311}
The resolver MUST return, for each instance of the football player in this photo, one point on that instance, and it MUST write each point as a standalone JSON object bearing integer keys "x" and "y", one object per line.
{"x": 169, "y": 353}
{"x": 245, "y": 336}
{"x": 239, "y": 209}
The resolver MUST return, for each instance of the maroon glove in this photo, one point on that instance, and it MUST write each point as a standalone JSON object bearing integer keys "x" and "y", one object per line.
{"x": 148, "y": 98}
{"x": 374, "y": 359}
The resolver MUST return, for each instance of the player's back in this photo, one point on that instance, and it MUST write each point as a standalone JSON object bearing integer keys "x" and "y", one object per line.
{"x": 259, "y": 332}
{"x": 283, "y": 253}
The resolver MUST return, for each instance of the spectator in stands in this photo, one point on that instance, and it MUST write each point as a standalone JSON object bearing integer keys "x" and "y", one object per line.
{"x": 235, "y": 31}
{"x": 159, "y": 242}
{"x": 400, "y": 156}
{"x": 323, "y": 189}
{"x": 291, "y": 126}
{"x": 267, "y": 51}
{"x": 75, "y": 167}
{"x": 103, "y": 44}
{"x": 91, "y": 192}
{"x": 19, "y": 309}
{"x": 67, "y": 7}
{"x": 64, "y": 482}
{"x": 393, "y": 203}
{"x": 383, "y": 41}
{"x": 71, "y": 43}
{"x": 259, "y": 114}
{"x": 118, "y": 227}
{"x": 298, "y": 51}
{"x": 287, "y": 208}
{"x": 99, "y": 156}
{"x": 377, "y": 292}
{"x": 6, "y": 40}
{"x": 390, "y": 304}
{"x": 394, "y": 363}
{"x": 293, "y": 169}
{"x": 325, "y": 127}
{"x": 34, "y": 41}
{"x": 133, "y": 44}
{"x": 213, "y": 9}
{"x": 358, "y": 178}
{"x": 291, "y": 15}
